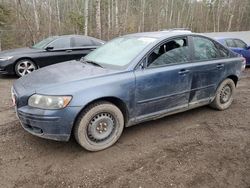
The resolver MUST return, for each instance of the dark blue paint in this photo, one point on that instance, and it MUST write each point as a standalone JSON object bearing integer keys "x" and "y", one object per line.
{"x": 146, "y": 93}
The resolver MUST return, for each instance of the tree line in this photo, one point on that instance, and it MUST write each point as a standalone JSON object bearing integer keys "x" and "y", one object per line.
{"x": 24, "y": 22}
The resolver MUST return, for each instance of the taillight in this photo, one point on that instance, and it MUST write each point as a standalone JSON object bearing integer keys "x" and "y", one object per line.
{"x": 243, "y": 64}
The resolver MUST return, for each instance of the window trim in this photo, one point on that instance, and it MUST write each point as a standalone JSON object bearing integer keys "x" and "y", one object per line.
{"x": 216, "y": 45}
{"x": 146, "y": 67}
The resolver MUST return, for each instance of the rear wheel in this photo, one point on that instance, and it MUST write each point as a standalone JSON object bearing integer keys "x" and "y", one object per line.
{"x": 24, "y": 66}
{"x": 99, "y": 126}
{"x": 224, "y": 95}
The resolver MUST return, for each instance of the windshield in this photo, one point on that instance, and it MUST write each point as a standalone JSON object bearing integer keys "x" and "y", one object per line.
{"x": 42, "y": 44}
{"x": 119, "y": 52}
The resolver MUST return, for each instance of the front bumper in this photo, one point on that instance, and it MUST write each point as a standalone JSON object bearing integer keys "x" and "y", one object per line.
{"x": 3, "y": 71}
{"x": 7, "y": 69}
{"x": 49, "y": 124}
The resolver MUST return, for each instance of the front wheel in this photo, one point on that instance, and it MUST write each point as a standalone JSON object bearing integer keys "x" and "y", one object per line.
{"x": 224, "y": 95}
{"x": 24, "y": 66}
{"x": 99, "y": 126}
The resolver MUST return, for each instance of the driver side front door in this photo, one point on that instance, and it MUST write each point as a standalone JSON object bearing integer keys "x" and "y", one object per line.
{"x": 164, "y": 86}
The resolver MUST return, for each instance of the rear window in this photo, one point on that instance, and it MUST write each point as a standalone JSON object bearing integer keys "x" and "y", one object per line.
{"x": 205, "y": 49}
{"x": 82, "y": 42}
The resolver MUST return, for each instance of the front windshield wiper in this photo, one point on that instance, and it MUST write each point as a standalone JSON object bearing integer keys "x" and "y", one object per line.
{"x": 91, "y": 62}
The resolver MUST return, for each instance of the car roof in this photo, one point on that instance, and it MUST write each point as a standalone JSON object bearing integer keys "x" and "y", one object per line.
{"x": 159, "y": 34}
{"x": 72, "y": 35}
{"x": 224, "y": 38}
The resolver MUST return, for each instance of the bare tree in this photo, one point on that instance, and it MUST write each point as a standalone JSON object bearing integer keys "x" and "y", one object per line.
{"x": 32, "y": 20}
{"x": 116, "y": 18}
{"x": 58, "y": 14}
{"x": 109, "y": 18}
{"x": 26, "y": 22}
{"x": 86, "y": 16}
{"x": 98, "y": 18}
{"x": 35, "y": 15}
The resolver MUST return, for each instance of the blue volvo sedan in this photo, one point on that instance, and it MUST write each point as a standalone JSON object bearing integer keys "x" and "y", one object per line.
{"x": 131, "y": 79}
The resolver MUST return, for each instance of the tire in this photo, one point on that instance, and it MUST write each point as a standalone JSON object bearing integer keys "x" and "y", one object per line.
{"x": 99, "y": 126}
{"x": 224, "y": 95}
{"x": 24, "y": 66}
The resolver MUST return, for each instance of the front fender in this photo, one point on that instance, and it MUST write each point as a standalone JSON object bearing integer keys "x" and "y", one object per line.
{"x": 119, "y": 86}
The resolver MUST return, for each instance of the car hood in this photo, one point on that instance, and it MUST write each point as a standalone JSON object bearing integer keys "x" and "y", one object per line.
{"x": 58, "y": 74}
{"x": 18, "y": 51}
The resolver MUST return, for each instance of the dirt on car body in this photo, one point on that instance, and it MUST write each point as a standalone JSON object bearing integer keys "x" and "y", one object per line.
{"x": 197, "y": 148}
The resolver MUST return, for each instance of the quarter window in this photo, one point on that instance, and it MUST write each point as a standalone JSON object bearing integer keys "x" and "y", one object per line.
{"x": 174, "y": 51}
{"x": 205, "y": 49}
{"x": 240, "y": 44}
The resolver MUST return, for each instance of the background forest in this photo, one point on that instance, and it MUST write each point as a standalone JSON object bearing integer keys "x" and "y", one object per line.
{"x": 24, "y": 22}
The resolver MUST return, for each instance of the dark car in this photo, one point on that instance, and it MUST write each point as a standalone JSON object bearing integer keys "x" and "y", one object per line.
{"x": 238, "y": 46}
{"x": 49, "y": 51}
{"x": 131, "y": 79}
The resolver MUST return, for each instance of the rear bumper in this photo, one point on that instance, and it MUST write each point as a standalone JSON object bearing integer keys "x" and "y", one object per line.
{"x": 49, "y": 124}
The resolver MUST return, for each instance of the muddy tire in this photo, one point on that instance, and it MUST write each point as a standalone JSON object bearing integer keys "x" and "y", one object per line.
{"x": 99, "y": 126}
{"x": 224, "y": 95}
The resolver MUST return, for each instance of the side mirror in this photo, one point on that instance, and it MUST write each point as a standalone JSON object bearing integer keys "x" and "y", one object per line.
{"x": 49, "y": 48}
{"x": 248, "y": 47}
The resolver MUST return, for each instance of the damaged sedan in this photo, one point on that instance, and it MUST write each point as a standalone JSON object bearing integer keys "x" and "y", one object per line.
{"x": 129, "y": 80}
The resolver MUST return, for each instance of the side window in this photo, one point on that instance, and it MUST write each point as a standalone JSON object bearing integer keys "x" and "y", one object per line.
{"x": 174, "y": 51}
{"x": 61, "y": 43}
{"x": 205, "y": 49}
{"x": 240, "y": 44}
{"x": 81, "y": 42}
{"x": 97, "y": 43}
{"x": 230, "y": 43}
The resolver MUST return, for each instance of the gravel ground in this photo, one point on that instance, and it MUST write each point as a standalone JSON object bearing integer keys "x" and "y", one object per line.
{"x": 198, "y": 148}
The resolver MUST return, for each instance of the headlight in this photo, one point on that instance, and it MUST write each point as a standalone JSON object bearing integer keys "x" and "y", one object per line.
{"x": 5, "y": 58}
{"x": 49, "y": 102}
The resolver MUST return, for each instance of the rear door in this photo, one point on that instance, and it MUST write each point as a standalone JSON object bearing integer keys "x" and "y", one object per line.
{"x": 209, "y": 67}
{"x": 164, "y": 85}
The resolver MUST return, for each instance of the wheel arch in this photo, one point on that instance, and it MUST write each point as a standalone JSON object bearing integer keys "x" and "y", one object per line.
{"x": 22, "y": 58}
{"x": 234, "y": 78}
{"x": 114, "y": 100}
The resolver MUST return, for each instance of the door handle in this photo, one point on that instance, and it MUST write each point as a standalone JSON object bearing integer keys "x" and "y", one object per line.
{"x": 220, "y": 66}
{"x": 68, "y": 51}
{"x": 183, "y": 72}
